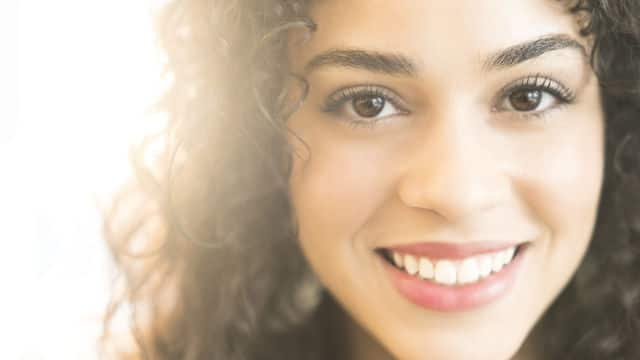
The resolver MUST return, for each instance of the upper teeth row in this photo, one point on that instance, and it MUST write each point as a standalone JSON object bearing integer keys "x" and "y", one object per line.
{"x": 451, "y": 272}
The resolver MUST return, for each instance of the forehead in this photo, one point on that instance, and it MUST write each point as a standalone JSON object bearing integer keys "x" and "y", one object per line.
{"x": 434, "y": 31}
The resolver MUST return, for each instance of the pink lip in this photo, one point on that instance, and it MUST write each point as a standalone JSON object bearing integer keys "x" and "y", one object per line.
{"x": 430, "y": 295}
{"x": 440, "y": 250}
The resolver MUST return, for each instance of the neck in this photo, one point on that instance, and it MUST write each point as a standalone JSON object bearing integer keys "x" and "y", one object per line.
{"x": 363, "y": 346}
{"x": 348, "y": 337}
{"x": 360, "y": 345}
{"x": 528, "y": 349}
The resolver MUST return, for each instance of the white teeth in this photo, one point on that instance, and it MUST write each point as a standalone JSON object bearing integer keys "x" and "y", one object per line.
{"x": 486, "y": 263}
{"x": 508, "y": 254}
{"x": 451, "y": 272}
{"x": 426, "y": 269}
{"x": 498, "y": 263}
{"x": 468, "y": 271}
{"x": 410, "y": 264}
{"x": 445, "y": 272}
{"x": 397, "y": 259}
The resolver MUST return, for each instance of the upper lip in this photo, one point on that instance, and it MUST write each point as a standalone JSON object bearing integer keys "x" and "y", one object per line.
{"x": 450, "y": 250}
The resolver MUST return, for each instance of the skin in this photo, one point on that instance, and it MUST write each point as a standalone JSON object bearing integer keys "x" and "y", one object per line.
{"x": 459, "y": 165}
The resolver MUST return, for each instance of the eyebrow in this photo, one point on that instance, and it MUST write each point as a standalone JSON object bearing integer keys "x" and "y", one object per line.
{"x": 386, "y": 63}
{"x": 520, "y": 53}
{"x": 396, "y": 64}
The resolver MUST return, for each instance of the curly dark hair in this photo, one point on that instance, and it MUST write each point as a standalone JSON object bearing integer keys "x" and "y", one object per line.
{"x": 204, "y": 240}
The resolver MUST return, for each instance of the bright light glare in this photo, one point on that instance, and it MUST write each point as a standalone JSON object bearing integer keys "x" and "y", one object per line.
{"x": 87, "y": 72}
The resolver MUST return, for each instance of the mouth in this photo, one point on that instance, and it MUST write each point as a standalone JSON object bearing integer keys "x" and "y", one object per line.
{"x": 450, "y": 271}
{"x": 461, "y": 279}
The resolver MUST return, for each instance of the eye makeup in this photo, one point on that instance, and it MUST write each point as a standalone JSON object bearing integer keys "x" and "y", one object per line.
{"x": 549, "y": 92}
{"x": 334, "y": 102}
{"x": 540, "y": 82}
{"x": 344, "y": 102}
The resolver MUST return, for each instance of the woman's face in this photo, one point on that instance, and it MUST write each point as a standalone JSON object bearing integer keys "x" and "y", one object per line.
{"x": 443, "y": 134}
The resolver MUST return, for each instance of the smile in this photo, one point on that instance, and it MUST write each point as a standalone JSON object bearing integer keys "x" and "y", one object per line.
{"x": 454, "y": 272}
{"x": 448, "y": 277}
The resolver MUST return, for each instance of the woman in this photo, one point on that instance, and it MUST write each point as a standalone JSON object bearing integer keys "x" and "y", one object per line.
{"x": 370, "y": 179}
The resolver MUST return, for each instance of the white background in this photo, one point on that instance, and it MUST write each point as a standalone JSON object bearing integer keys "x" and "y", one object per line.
{"x": 76, "y": 80}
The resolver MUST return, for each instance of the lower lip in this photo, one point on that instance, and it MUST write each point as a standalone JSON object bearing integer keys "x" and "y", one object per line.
{"x": 450, "y": 298}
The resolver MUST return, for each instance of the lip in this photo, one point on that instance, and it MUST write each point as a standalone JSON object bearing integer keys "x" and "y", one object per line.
{"x": 452, "y": 298}
{"x": 452, "y": 251}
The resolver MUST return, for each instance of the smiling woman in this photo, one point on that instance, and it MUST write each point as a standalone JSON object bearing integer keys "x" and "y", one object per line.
{"x": 408, "y": 179}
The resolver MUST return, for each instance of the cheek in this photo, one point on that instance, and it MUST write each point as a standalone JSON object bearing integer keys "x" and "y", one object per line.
{"x": 563, "y": 190}
{"x": 332, "y": 191}
{"x": 335, "y": 188}
{"x": 573, "y": 178}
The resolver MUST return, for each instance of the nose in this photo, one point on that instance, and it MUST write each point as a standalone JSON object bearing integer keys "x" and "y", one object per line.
{"x": 455, "y": 169}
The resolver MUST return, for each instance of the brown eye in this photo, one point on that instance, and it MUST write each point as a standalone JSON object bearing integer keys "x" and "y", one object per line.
{"x": 364, "y": 105}
{"x": 525, "y": 100}
{"x": 368, "y": 106}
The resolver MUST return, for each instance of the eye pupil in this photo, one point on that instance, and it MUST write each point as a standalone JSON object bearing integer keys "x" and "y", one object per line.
{"x": 525, "y": 100}
{"x": 368, "y": 106}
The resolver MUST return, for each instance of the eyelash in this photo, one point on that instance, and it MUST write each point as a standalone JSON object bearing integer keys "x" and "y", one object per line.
{"x": 335, "y": 101}
{"x": 563, "y": 94}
